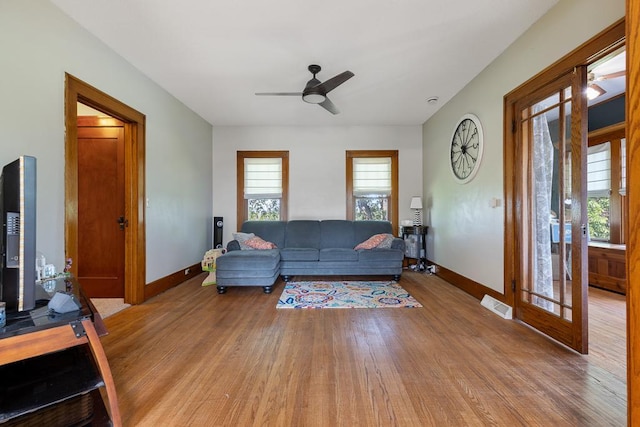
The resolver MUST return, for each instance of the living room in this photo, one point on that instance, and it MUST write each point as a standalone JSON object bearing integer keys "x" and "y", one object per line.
{"x": 190, "y": 163}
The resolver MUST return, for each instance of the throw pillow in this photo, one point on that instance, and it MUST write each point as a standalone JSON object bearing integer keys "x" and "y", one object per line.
{"x": 386, "y": 242}
{"x": 242, "y": 238}
{"x": 258, "y": 243}
{"x": 373, "y": 241}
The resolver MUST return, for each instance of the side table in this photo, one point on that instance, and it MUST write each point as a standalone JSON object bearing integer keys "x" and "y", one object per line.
{"x": 415, "y": 240}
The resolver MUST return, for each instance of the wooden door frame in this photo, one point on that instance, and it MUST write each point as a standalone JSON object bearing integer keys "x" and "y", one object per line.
{"x": 612, "y": 36}
{"x": 633, "y": 205}
{"x": 134, "y": 135}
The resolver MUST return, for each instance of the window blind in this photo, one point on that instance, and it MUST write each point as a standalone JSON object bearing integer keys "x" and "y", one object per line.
{"x": 599, "y": 170}
{"x": 262, "y": 178}
{"x": 371, "y": 176}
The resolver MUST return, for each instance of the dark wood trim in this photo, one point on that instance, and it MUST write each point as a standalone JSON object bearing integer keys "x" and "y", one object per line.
{"x": 471, "y": 287}
{"x": 607, "y": 133}
{"x": 134, "y": 134}
{"x": 241, "y": 204}
{"x": 633, "y": 201}
{"x": 174, "y": 279}
{"x": 610, "y": 38}
{"x": 579, "y": 265}
{"x": 393, "y": 204}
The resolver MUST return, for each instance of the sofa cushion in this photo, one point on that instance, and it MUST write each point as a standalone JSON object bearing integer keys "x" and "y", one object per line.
{"x": 299, "y": 254}
{"x": 380, "y": 255}
{"x": 336, "y": 234}
{"x": 302, "y": 234}
{"x": 338, "y": 254}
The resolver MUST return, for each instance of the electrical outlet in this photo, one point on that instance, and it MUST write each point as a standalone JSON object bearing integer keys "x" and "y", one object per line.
{"x": 187, "y": 271}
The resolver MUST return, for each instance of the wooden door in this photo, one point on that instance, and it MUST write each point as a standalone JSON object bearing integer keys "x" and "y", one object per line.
{"x": 551, "y": 287}
{"x": 101, "y": 208}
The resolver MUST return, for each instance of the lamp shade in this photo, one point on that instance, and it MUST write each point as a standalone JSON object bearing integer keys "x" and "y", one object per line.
{"x": 416, "y": 203}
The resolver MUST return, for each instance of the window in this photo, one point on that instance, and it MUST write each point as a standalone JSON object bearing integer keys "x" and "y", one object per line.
{"x": 262, "y": 185}
{"x": 606, "y": 184}
{"x": 372, "y": 186}
{"x": 599, "y": 191}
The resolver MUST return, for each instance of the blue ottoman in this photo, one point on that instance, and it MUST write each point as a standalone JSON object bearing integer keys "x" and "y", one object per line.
{"x": 248, "y": 268}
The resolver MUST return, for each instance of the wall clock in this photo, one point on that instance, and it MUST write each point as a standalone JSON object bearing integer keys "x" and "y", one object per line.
{"x": 466, "y": 148}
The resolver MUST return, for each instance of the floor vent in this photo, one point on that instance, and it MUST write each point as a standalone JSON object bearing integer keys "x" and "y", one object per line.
{"x": 499, "y": 308}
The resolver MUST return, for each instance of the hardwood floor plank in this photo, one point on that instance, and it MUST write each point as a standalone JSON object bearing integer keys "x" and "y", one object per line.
{"x": 191, "y": 356}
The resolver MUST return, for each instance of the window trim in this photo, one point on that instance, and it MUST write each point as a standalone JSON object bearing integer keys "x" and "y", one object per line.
{"x": 242, "y": 209}
{"x": 393, "y": 199}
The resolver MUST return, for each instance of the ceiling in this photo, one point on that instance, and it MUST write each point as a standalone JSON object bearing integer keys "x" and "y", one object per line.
{"x": 609, "y": 74}
{"x": 214, "y": 55}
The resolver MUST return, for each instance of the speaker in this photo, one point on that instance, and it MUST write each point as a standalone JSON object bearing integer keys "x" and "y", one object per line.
{"x": 217, "y": 232}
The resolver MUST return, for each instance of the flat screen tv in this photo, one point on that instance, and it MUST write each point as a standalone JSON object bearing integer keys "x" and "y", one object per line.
{"x": 18, "y": 208}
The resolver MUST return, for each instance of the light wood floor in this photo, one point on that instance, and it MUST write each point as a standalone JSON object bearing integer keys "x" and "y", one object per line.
{"x": 192, "y": 357}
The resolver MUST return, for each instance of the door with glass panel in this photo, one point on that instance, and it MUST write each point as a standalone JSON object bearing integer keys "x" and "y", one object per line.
{"x": 551, "y": 287}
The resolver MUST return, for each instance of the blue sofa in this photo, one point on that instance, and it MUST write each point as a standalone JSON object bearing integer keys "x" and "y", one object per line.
{"x": 306, "y": 248}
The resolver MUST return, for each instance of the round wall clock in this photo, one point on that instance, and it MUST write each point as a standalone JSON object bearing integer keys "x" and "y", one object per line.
{"x": 466, "y": 148}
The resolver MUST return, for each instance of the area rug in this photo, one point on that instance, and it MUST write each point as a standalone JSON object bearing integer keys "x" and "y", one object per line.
{"x": 109, "y": 306}
{"x": 345, "y": 295}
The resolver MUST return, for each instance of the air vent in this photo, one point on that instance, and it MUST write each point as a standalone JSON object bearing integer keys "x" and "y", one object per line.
{"x": 498, "y": 307}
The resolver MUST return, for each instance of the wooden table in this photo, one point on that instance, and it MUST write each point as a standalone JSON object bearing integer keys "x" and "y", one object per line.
{"x": 37, "y": 333}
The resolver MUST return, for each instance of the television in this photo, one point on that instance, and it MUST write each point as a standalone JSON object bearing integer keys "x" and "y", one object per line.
{"x": 18, "y": 209}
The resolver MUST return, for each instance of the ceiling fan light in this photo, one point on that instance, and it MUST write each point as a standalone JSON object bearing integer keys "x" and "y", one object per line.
{"x": 594, "y": 91}
{"x": 313, "y": 98}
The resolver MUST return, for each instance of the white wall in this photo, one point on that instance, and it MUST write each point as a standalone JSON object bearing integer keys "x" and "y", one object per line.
{"x": 38, "y": 44}
{"x": 467, "y": 235}
{"x": 316, "y": 165}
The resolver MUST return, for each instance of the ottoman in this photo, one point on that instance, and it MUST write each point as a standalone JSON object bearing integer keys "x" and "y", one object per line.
{"x": 248, "y": 268}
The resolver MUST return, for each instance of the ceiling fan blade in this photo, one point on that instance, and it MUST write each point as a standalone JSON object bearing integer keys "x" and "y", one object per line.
{"x": 334, "y": 82}
{"x": 329, "y": 106}
{"x": 612, "y": 75}
{"x": 279, "y": 93}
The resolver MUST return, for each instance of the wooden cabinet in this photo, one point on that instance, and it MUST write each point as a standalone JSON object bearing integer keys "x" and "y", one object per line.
{"x": 607, "y": 268}
{"x": 48, "y": 358}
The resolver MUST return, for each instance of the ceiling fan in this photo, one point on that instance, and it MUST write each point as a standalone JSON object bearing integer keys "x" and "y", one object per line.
{"x": 594, "y": 90}
{"x": 315, "y": 92}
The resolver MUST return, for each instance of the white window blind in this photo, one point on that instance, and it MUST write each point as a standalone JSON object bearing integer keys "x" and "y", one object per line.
{"x": 623, "y": 167}
{"x": 599, "y": 170}
{"x": 371, "y": 176}
{"x": 262, "y": 178}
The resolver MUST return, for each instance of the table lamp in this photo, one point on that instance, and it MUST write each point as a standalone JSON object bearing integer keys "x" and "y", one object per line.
{"x": 416, "y": 205}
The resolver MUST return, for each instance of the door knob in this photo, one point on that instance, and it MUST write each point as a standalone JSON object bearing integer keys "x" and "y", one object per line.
{"x": 122, "y": 222}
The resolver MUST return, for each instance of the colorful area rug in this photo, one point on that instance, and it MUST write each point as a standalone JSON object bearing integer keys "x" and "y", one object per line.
{"x": 345, "y": 295}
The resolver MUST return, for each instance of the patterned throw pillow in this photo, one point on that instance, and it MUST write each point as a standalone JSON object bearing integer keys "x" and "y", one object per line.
{"x": 242, "y": 238}
{"x": 257, "y": 243}
{"x": 375, "y": 241}
{"x": 387, "y": 242}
